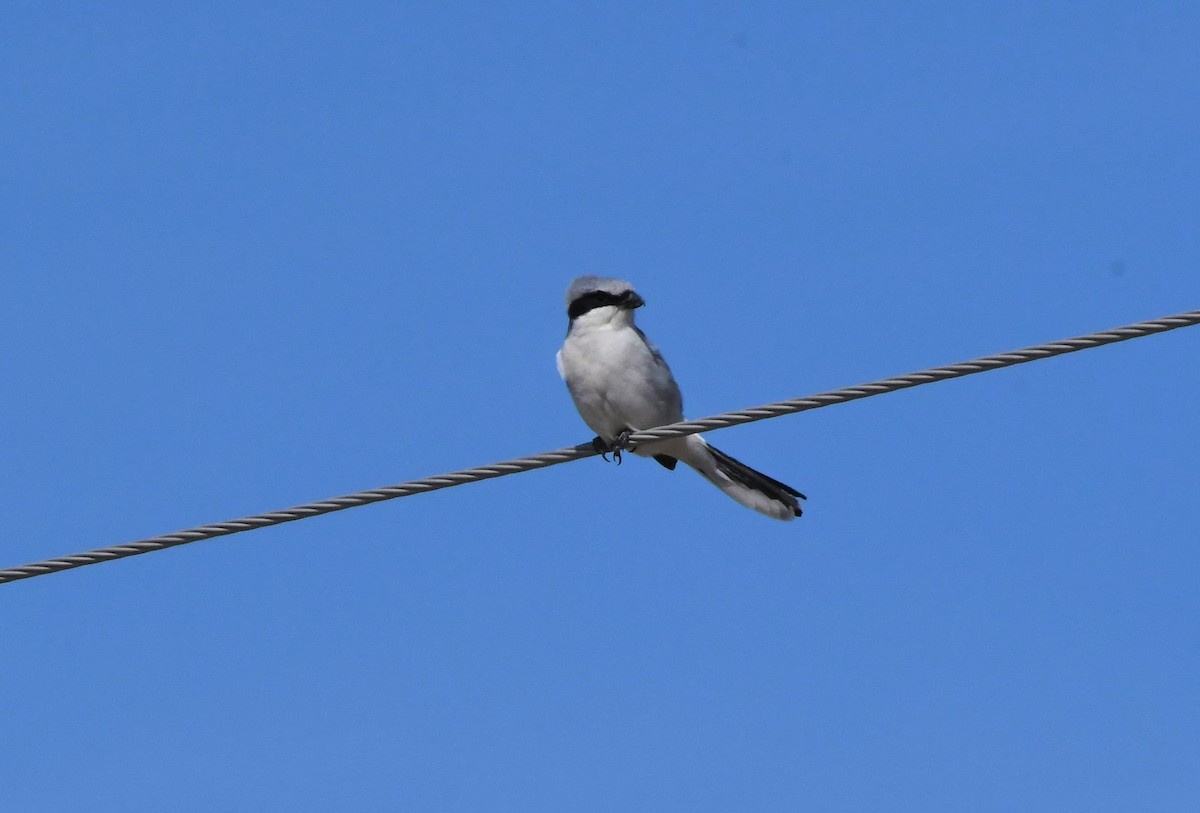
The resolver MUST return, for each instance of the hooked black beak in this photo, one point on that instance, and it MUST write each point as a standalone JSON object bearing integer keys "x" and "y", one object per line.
{"x": 632, "y": 300}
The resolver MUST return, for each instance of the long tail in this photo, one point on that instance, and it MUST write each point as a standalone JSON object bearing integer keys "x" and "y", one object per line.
{"x": 751, "y": 488}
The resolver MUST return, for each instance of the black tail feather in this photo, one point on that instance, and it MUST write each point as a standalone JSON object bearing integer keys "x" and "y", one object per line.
{"x": 738, "y": 471}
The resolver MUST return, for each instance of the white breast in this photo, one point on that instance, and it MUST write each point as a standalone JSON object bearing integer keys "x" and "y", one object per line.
{"x": 616, "y": 380}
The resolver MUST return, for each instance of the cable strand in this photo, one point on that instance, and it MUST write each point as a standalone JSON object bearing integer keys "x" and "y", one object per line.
{"x": 583, "y": 450}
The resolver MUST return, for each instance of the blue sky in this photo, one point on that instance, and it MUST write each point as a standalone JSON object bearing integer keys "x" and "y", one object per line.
{"x": 261, "y": 254}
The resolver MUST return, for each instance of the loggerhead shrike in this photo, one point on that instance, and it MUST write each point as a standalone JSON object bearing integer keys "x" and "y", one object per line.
{"x": 621, "y": 384}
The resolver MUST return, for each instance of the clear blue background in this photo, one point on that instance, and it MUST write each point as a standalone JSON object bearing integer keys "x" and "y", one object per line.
{"x": 260, "y": 254}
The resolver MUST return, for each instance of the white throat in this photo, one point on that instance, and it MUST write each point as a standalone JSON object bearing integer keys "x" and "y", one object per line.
{"x": 609, "y": 316}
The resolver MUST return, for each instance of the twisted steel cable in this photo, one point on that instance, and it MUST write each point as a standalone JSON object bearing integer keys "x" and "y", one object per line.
{"x": 901, "y": 382}
{"x": 583, "y": 450}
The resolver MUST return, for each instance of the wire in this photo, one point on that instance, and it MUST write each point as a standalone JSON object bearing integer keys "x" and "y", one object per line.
{"x": 583, "y": 450}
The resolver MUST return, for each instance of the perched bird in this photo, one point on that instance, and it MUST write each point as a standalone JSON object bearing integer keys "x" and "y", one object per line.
{"x": 621, "y": 384}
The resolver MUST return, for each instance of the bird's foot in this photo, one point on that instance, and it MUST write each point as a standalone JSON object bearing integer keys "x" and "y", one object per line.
{"x": 619, "y": 444}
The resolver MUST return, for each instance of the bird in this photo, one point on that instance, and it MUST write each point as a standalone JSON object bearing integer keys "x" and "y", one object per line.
{"x": 621, "y": 384}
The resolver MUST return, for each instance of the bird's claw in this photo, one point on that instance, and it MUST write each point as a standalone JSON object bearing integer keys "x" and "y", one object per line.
{"x": 600, "y": 446}
{"x": 619, "y": 444}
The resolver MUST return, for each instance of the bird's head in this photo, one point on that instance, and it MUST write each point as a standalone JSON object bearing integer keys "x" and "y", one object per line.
{"x": 601, "y": 300}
